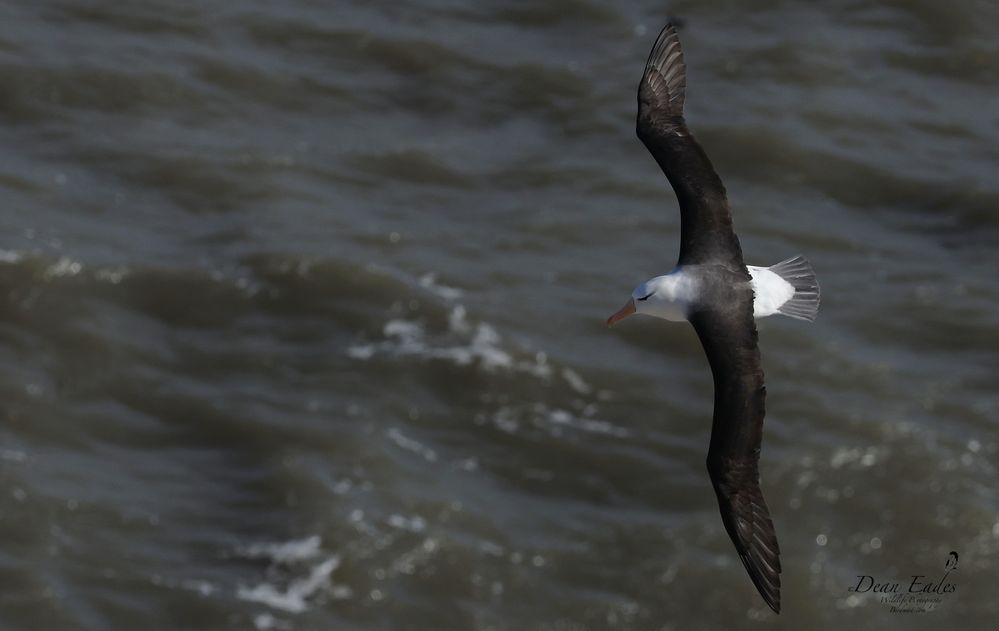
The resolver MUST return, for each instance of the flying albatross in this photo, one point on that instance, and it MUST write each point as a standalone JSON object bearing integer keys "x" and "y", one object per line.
{"x": 721, "y": 296}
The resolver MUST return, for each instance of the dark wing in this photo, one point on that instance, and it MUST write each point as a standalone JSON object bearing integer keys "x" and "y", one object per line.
{"x": 729, "y": 340}
{"x": 706, "y": 234}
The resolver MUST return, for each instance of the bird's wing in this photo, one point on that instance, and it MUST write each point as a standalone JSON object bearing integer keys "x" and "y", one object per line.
{"x": 729, "y": 340}
{"x": 706, "y": 234}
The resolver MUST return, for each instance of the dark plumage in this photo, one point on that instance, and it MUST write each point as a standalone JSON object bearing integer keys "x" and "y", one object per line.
{"x": 723, "y": 317}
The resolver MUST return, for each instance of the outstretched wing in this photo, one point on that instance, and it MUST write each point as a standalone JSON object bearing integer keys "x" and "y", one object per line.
{"x": 706, "y": 234}
{"x": 729, "y": 340}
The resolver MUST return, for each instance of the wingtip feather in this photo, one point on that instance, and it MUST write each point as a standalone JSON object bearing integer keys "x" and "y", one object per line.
{"x": 747, "y": 521}
{"x": 666, "y": 73}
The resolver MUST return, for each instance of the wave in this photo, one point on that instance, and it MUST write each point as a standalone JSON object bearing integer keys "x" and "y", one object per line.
{"x": 298, "y": 573}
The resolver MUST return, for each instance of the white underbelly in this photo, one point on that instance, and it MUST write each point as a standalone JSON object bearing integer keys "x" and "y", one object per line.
{"x": 770, "y": 291}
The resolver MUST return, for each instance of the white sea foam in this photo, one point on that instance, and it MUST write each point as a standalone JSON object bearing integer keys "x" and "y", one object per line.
{"x": 63, "y": 267}
{"x": 404, "y": 442}
{"x": 293, "y": 598}
{"x": 10, "y": 256}
{"x": 285, "y": 552}
{"x": 342, "y": 487}
{"x": 113, "y": 275}
{"x": 405, "y": 338}
{"x": 429, "y": 281}
{"x": 204, "y": 588}
{"x": 476, "y": 343}
{"x": 412, "y": 524}
{"x": 593, "y": 426}
{"x": 575, "y": 381}
{"x": 456, "y": 319}
{"x": 506, "y": 419}
{"x": 491, "y": 548}
{"x": 298, "y": 572}
{"x": 554, "y": 420}
{"x": 479, "y": 344}
{"x": 856, "y": 457}
{"x": 409, "y": 561}
{"x": 362, "y": 351}
{"x": 407, "y": 333}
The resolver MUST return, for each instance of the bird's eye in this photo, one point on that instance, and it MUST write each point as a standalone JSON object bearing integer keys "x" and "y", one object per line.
{"x": 647, "y": 297}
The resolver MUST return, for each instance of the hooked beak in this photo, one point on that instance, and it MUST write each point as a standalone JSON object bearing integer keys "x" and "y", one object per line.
{"x": 623, "y": 312}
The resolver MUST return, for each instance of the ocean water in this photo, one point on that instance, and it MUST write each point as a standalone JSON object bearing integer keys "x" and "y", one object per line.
{"x": 302, "y": 305}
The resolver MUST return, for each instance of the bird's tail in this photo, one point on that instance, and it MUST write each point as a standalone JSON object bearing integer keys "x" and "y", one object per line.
{"x": 804, "y": 304}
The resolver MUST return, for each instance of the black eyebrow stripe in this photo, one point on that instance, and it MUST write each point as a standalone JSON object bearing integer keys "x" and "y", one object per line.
{"x": 647, "y": 297}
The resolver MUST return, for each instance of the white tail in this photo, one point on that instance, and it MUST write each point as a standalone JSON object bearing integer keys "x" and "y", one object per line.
{"x": 804, "y": 304}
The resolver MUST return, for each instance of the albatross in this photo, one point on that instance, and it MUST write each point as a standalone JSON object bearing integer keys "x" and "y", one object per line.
{"x": 713, "y": 289}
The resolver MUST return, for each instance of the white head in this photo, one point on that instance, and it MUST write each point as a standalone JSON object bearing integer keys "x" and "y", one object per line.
{"x": 668, "y": 297}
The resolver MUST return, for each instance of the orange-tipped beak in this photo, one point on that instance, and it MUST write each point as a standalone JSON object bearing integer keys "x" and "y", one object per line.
{"x": 623, "y": 312}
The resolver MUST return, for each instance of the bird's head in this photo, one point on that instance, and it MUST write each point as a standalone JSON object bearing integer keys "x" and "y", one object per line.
{"x": 667, "y": 297}
{"x": 637, "y": 303}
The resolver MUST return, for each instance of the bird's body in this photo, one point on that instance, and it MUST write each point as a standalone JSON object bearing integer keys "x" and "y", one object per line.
{"x": 713, "y": 289}
{"x": 672, "y": 296}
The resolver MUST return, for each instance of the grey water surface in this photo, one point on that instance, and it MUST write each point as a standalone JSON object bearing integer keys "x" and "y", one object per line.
{"x": 302, "y": 305}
